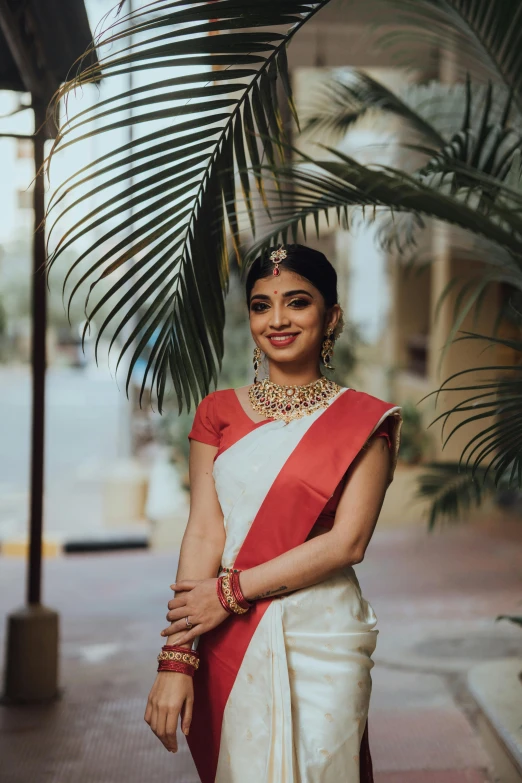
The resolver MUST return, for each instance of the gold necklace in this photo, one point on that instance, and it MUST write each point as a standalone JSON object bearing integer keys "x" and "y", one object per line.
{"x": 291, "y": 402}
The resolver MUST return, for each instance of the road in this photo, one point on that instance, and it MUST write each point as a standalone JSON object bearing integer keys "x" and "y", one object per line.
{"x": 86, "y": 430}
{"x": 436, "y": 598}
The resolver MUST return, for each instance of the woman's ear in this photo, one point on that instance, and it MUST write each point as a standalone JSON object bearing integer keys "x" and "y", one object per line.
{"x": 333, "y": 316}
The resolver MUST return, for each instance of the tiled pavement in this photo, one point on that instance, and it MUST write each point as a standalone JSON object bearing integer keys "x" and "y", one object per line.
{"x": 436, "y": 598}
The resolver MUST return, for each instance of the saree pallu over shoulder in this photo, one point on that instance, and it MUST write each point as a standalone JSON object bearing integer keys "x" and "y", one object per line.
{"x": 310, "y": 457}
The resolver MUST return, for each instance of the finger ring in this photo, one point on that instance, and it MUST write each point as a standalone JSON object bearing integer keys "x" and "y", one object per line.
{"x": 189, "y": 625}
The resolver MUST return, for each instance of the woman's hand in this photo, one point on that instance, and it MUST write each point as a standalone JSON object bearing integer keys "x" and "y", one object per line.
{"x": 197, "y": 600}
{"x": 171, "y": 695}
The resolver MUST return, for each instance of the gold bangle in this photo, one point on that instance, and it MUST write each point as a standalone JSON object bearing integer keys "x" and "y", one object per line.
{"x": 229, "y": 595}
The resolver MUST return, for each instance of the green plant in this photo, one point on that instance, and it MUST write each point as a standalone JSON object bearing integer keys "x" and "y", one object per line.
{"x": 169, "y": 258}
{"x": 414, "y": 439}
{"x": 182, "y": 186}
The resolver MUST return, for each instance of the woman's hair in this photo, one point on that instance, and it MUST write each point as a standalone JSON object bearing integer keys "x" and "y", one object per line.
{"x": 310, "y": 264}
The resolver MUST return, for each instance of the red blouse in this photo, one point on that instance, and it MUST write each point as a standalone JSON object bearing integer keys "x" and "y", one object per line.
{"x": 220, "y": 420}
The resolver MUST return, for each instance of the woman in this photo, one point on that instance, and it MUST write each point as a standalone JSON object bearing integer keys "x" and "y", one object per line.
{"x": 287, "y": 478}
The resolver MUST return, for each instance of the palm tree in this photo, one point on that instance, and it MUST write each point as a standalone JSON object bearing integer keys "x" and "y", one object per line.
{"x": 219, "y": 142}
{"x": 211, "y": 92}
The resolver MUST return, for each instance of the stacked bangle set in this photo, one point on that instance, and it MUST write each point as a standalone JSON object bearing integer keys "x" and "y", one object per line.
{"x": 229, "y": 592}
{"x": 173, "y": 658}
{"x": 178, "y": 659}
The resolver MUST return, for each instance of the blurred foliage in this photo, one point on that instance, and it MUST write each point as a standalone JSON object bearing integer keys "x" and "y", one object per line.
{"x": 186, "y": 190}
{"x": 414, "y": 438}
{"x": 451, "y": 491}
{"x": 512, "y": 619}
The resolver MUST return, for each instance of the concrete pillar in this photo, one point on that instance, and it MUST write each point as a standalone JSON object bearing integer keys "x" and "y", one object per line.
{"x": 31, "y": 669}
{"x": 461, "y": 355}
{"x": 440, "y": 326}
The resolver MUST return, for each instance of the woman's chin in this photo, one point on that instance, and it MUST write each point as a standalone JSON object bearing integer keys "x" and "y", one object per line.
{"x": 286, "y": 356}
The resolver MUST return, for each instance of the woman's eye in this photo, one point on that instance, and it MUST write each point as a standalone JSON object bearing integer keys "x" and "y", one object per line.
{"x": 258, "y": 307}
{"x": 299, "y": 302}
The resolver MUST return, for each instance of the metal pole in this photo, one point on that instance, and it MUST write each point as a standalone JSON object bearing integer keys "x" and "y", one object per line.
{"x": 39, "y": 308}
{"x": 35, "y": 679}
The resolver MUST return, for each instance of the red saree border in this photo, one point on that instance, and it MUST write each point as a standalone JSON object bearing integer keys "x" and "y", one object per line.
{"x": 300, "y": 491}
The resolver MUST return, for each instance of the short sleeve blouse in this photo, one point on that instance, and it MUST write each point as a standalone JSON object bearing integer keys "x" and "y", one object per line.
{"x": 204, "y": 424}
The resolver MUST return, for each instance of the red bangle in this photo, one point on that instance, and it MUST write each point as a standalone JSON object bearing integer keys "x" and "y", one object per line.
{"x": 179, "y": 648}
{"x": 236, "y": 589}
{"x": 176, "y": 666}
{"x": 223, "y": 601}
{"x": 178, "y": 659}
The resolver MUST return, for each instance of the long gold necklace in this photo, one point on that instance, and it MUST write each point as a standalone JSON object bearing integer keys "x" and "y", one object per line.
{"x": 291, "y": 402}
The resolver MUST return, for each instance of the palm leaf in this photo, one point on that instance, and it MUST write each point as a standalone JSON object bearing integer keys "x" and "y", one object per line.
{"x": 452, "y": 492}
{"x": 344, "y": 99}
{"x": 482, "y": 37}
{"x": 496, "y": 450}
{"x": 333, "y": 187}
{"x": 512, "y": 618}
{"x": 202, "y": 122}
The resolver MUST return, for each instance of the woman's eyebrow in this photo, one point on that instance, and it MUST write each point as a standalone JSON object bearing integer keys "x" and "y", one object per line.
{"x": 297, "y": 291}
{"x": 286, "y": 293}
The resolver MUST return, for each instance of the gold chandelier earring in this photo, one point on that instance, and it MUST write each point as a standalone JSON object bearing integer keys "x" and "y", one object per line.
{"x": 256, "y": 360}
{"x": 327, "y": 349}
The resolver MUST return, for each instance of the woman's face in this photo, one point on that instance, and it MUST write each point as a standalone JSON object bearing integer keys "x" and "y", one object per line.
{"x": 288, "y": 317}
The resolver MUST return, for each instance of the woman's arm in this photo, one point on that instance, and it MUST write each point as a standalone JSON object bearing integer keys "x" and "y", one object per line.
{"x": 172, "y": 693}
{"x": 204, "y": 538}
{"x": 318, "y": 558}
{"x": 345, "y": 544}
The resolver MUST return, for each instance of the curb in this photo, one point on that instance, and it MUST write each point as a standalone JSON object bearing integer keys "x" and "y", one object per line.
{"x": 497, "y": 688}
{"x": 54, "y": 546}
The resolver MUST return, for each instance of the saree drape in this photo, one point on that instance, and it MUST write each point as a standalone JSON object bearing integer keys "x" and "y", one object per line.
{"x": 282, "y": 692}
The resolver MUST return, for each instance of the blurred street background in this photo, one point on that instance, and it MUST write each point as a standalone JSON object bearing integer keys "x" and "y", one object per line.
{"x": 435, "y": 599}
{"x": 447, "y": 699}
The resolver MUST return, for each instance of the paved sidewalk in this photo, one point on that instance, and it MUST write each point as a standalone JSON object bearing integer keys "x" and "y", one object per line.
{"x": 436, "y": 598}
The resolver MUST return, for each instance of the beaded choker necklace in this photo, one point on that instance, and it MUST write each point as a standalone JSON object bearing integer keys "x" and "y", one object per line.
{"x": 291, "y": 402}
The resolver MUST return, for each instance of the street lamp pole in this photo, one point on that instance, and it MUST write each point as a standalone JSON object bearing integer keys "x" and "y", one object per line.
{"x": 39, "y": 364}
{"x": 31, "y": 679}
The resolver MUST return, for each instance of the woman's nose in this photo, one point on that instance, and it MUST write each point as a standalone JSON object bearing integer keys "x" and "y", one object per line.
{"x": 279, "y": 317}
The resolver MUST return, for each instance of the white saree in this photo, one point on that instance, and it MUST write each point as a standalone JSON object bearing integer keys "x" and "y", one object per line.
{"x": 298, "y": 706}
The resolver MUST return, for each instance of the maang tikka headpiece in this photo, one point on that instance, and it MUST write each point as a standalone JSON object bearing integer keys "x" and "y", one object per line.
{"x": 276, "y": 256}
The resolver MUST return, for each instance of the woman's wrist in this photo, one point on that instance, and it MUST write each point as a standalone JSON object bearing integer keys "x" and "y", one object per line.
{"x": 230, "y": 594}
{"x": 172, "y": 640}
{"x": 253, "y": 592}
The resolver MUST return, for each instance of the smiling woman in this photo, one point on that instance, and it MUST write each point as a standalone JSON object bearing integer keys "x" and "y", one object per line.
{"x": 287, "y": 479}
{"x": 297, "y": 309}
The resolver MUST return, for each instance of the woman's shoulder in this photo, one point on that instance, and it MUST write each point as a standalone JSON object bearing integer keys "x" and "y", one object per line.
{"x": 361, "y": 395}
{"x": 216, "y": 402}
{"x": 217, "y": 394}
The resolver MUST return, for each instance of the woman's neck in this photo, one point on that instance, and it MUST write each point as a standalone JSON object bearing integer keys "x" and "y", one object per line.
{"x": 293, "y": 377}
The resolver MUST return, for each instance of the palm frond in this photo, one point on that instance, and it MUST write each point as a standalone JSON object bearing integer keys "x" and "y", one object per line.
{"x": 486, "y": 141}
{"x": 452, "y": 492}
{"x": 517, "y": 620}
{"x": 332, "y": 188}
{"x": 345, "y": 98}
{"x": 494, "y": 403}
{"x": 206, "y": 98}
{"x": 480, "y": 37}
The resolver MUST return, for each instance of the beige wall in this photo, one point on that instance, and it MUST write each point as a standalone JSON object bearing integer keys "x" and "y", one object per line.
{"x": 415, "y": 304}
